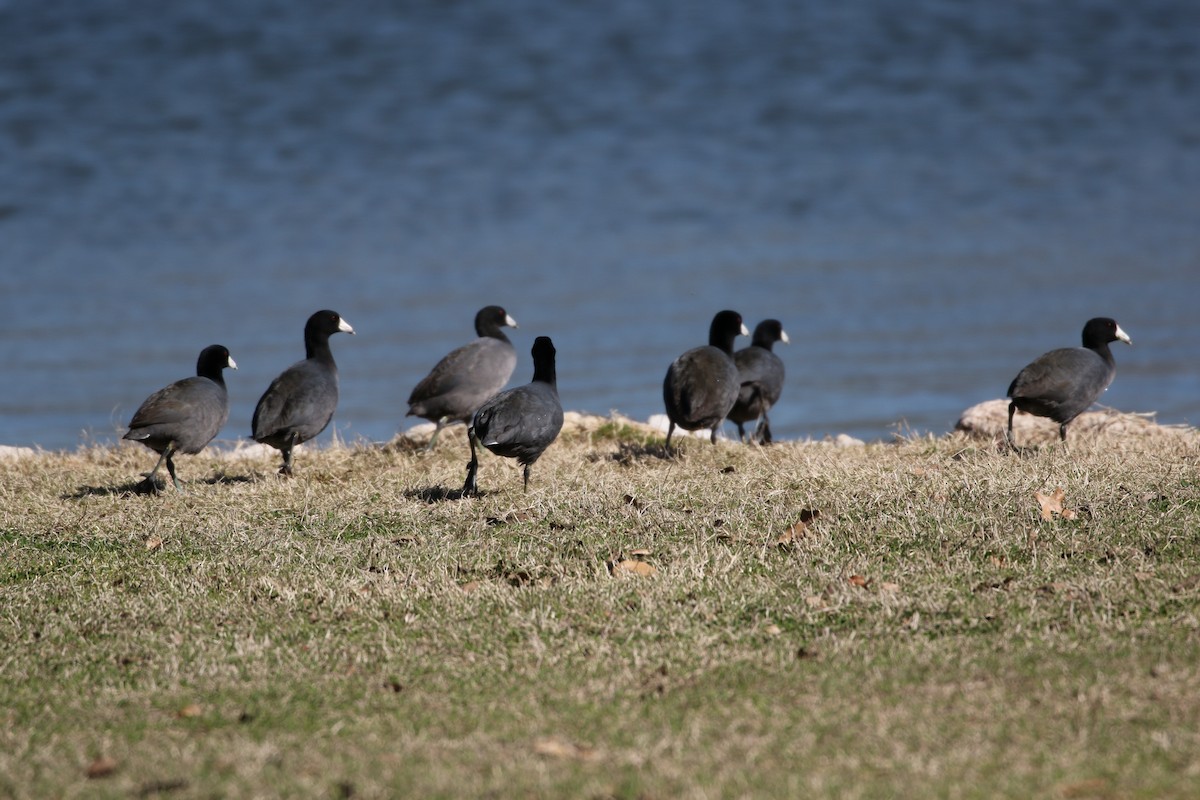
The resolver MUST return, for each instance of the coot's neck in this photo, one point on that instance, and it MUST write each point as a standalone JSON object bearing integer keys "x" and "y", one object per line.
{"x": 217, "y": 375}
{"x": 722, "y": 340}
{"x": 544, "y": 372}
{"x": 762, "y": 340}
{"x": 491, "y": 330}
{"x": 213, "y": 370}
{"x": 1101, "y": 349}
{"x": 316, "y": 347}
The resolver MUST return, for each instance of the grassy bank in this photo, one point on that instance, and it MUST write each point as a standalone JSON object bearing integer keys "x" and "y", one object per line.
{"x": 632, "y": 626}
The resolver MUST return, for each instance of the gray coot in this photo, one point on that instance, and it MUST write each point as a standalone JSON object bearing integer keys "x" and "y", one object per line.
{"x": 468, "y": 375}
{"x": 300, "y": 402}
{"x": 760, "y": 374}
{"x": 701, "y": 385}
{"x": 522, "y": 422}
{"x": 1062, "y": 383}
{"x": 185, "y": 416}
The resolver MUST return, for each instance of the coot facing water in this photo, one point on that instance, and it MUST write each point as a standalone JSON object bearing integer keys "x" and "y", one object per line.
{"x": 522, "y": 422}
{"x": 760, "y": 375}
{"x": 701, "y": 385}
{"x": 1063, "y": 383}
{"x": 185, "y": 416}
{"x": 467, "y": 376}
{"x": 300, "y": 402}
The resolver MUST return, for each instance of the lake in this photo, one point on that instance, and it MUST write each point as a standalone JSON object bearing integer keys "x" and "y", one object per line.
{"x": 927, "y": 194}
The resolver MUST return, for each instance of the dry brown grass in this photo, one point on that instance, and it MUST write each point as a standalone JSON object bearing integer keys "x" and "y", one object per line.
{"x": 632, "y": 626}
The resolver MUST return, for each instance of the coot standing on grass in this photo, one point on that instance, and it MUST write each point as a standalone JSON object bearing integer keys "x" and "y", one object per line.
{"x": 300, "y": 402}
{"x": 522, "y": 422}
{"x": 468, "y": 375}
{"x": 701, "y": 385}
{"x": 760, "y": 373}
{"x": 1063, "y": 383}
{"x": 185, "y": 416}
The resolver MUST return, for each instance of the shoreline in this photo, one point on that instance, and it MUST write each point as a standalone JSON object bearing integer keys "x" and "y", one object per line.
{"x": 986, "y": 420}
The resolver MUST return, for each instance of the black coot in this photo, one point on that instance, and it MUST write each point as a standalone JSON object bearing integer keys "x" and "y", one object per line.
{"x": 468, "y": 375}
{"x": 300, "y": 402}
{"x": 185, "y": 416}
{"x": 760, "y": 374}
{"x": 522, "y": 422}
{"x": 701, "y": 385}
{"x": 1063, "y": 383}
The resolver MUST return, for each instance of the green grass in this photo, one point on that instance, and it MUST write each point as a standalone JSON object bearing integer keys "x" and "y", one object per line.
{"x": 360, "y": 631}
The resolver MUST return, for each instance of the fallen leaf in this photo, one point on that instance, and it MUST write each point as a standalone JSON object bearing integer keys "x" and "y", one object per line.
{"x": 773, "y": 630}
{"x": 512, "y": 517}
{"x": 519, "y": 578}
{"x": 859, "y": 580}
{"x": 792, "y": 534}
{"x": 1052, "y": 504}
{"x": 190, "y": 710}
{"x": 102, "y": 767}
{"x": 634, "y": 567}
{"x": 554, "y": 747}
{"x": 1000, "y": 584}
{"x": 1187, "y": 584}
{"x": 1096, "y": 787}
{"x": 154, "y": 543}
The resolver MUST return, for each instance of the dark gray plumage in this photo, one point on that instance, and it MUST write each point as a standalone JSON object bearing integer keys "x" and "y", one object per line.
{"x": 522, "y": 422}
{"x": 1063, "y": 383}
{"x": 467, "y": 376}
{"x": 300, "y": 402}
{"x": 760, "y": 375}
{"x": 185, "y": 416}
{"x": 701, "y": 385}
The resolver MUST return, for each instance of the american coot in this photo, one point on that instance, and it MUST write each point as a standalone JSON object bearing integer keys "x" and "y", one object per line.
{"x": 468, "y": 375}
{"x": 185, "y": 416}
{"x": 701, "y": 385}
{"x": 300, "y": 402}
{"x": 522, "y": 422}
{"x": 1062, "y": 383}
{"x": 760, "y": 375}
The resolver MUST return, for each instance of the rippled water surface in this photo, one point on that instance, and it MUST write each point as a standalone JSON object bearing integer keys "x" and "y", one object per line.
{"x": 927, "y": 194}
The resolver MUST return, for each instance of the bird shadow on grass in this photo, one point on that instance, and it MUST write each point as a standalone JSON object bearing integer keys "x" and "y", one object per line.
{"x": 146, "y": 487}
{"x": 632, "y": 452}
{"x": 1021, "y": 450}
{"x": 121, "y": 490}
{"x": 225, "y": 479}
{"x": 403, "y": 444}
{"x": 438, "y": 494}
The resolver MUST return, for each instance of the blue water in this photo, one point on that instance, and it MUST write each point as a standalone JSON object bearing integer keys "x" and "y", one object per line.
{"x": 928, "y": 195}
